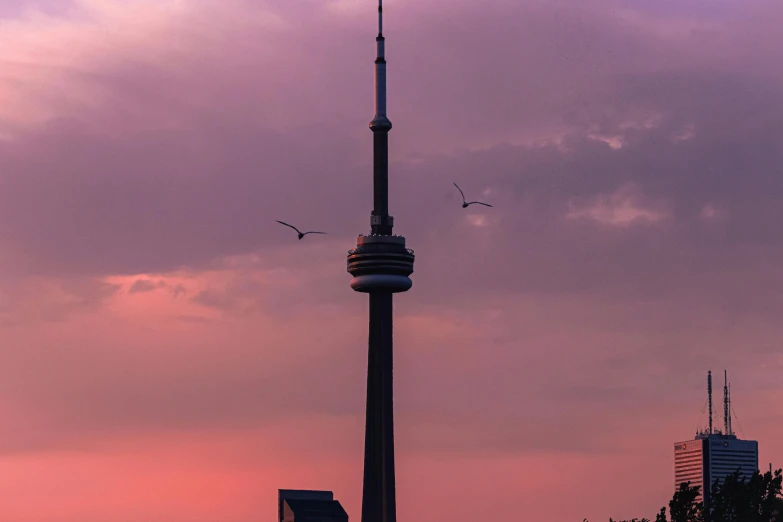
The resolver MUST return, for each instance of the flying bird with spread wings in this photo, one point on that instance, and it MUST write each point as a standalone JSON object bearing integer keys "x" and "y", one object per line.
{"x": 466, "y": 204}
{"x": 300, "y": 234}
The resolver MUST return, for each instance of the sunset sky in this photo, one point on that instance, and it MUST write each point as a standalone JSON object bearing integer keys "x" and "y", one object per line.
{"x": 170, "y": 353}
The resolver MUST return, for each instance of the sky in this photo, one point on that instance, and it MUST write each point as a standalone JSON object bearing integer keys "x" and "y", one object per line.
{"x": 169, "y": 352}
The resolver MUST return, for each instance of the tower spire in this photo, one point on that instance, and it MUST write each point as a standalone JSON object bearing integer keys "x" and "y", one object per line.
{"x": 380, "y": 125}
{"x": 380, "y": 121}
{"x": 380, "y": 17}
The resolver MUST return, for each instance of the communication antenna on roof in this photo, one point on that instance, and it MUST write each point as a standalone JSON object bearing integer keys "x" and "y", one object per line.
{"x": 726, "y": 414}
{"x": 731, "y": 413}
{"x": 709, "y": 396}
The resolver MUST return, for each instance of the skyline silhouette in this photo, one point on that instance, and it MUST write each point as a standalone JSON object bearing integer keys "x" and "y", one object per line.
{"x": 169, "y": 352}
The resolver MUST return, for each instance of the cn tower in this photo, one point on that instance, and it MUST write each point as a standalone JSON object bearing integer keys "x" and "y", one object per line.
{"x": 380, "y": 265}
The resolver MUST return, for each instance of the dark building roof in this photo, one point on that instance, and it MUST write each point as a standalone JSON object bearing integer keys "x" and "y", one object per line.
{"x": 299, "y": 494}
{"x": 304, "y": 494}
{"x": 301, "y": 510}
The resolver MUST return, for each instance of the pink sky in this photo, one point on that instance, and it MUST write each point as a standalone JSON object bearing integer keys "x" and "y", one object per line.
{"x": 168, "y": 352}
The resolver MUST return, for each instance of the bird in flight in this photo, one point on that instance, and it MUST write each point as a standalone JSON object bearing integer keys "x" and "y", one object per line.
{"x": 465, "y": 204}
{"x": 301, "y": 234}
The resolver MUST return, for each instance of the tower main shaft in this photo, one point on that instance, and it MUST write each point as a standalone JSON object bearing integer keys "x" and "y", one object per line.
{"x": 381, "y": 266}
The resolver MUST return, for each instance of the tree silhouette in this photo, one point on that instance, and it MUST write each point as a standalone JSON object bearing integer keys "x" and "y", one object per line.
{"x": 683, "y": 506}
{"x": 754, "y": 500}
{"x": 734, "y": 499}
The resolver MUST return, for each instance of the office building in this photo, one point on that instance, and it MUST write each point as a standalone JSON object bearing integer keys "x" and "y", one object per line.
{"x": 713, "y": 454}
{"x": 295, "y": 505}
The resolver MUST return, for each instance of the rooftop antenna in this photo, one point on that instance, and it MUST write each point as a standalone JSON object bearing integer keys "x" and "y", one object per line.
{"x": 731, "y": 411}
{"x": 726, "y": 414}
{"x": 709, "y": 396}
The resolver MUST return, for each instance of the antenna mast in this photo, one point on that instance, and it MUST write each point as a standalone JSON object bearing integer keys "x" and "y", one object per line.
{"x": 731, "y": 428}
{"x": 381, "y": 221}
{"x": 380, "y": 17}
{"x": 726, "y": 414}
{"x": 709, "y": 396}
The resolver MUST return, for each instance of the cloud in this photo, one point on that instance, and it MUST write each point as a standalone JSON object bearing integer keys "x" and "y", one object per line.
{"x": 186, "y": 181}
{"x": 712, "y": 213}
{"x": 619, "y": 209}
{"x": 193, "y": 319}
{"x": 46, "y": 299}
{"x": 146, "y": 285}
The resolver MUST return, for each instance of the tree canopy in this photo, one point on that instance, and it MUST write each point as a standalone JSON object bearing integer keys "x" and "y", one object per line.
{"x": 734, "y": 499}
